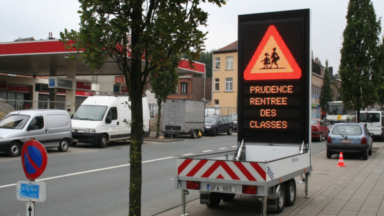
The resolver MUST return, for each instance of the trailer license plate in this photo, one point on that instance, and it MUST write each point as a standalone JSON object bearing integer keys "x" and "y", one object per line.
{"x": 346, "y": 141}
{"x": 221, "y": 188}
{"x": 75, "y": 140}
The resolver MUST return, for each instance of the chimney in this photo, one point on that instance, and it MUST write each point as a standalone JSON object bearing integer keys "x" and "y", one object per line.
{"x": 330, "y": 69}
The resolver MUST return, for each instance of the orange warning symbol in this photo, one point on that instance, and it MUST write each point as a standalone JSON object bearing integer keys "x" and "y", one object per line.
{"x": 272, "y": 60}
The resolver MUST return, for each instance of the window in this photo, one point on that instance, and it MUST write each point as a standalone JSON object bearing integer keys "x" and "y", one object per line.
{"x": 228, "y": 84}
{"x": 217, "y": 63}
{"x": 112, "y": 113}
{"x": 230, "y": 63}
{"x": 217, "y": 84}
{"x": 184, "y": 88}
{"x": 216, "y": 102}
{"x": 95, "y": 79}
{"x": 37, "y": 123}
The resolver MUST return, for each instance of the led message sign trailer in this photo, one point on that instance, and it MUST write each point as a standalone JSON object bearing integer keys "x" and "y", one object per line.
{"x": 274, "y": 77}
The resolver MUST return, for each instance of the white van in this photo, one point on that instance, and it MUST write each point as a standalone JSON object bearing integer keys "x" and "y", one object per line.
{"x": 101, "y": 119}
{"x": 374, "y": 121}
{"x": 52, "y": 128}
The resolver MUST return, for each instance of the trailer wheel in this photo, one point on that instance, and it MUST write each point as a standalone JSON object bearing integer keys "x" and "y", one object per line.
{"x": 214, "y": 200}
{"x": 280, "y": 202}
{"x": 290, "y": 193}
{"x": 228, "y": 197}
{"x": 193, "y": 134}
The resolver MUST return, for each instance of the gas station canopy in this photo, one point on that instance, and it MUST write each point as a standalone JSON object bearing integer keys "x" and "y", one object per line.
{"x": 48, "y": 57}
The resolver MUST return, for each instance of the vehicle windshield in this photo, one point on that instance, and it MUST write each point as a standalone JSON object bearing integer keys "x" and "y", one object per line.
{"x": 234, "y": 117}
{"x": 369, "y": 117}
{"x": 313, "y": 122}
{"x": 90, "y": 112}
{"x": 336, "y": 109}
{"x": 14, "y": 121}
{"x": 347, "y": 130}
{"x": 210, "y": 119}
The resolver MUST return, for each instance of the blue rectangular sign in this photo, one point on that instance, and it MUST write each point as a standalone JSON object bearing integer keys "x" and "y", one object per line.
{"x": 29, "y": 191}
{"x": 52, "y": 82}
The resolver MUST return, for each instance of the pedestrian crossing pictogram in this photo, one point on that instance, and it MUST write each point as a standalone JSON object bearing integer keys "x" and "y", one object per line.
{"x": 272, "y": 60}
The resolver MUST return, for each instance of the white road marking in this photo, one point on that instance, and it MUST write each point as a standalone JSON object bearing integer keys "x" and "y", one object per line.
{"x": 233, "y": 146}
{"x": 207, "y": 151}
{"x": 89, "y": 171}
{"x": 222, "y": 148}
{"x": 187, "y": 154}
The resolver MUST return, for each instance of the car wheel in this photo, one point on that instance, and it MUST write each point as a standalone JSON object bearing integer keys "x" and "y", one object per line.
{"x": 74, "y": 144}
{"x": 103, "y": 141}
{"x": 193, "y": 135}
{"x": 214, "y": 132}
{"x": 64, "y": 145}
{"x": 365, "y": 155}
{"x": 214, "y": 200}
{"x": 320, "y": 137}
{"x": 229, "y": 131}
{"x": 290, "y": 193}
{"x": 14, "y": 149}
{"x": 329, "y": 154}
{"x": 280, "y": 201}
{"x": 370, "y": 151}
{"x": 228, "y": 197}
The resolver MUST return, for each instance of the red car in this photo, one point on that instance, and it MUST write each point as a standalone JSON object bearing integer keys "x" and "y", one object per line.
{"x": 319, "y": 130}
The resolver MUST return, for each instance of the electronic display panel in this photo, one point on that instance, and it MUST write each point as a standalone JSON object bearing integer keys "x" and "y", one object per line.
{"x": 274, "y": 77}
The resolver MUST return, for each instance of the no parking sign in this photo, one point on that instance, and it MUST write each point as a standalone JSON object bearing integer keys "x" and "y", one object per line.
{"x": 34, "y": 159}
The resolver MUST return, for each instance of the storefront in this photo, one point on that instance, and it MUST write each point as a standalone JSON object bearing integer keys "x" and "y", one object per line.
{"x": 14, "y": 92}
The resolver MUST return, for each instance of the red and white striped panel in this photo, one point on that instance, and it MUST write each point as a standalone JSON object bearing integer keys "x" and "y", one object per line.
{"x": 228, "y": 170}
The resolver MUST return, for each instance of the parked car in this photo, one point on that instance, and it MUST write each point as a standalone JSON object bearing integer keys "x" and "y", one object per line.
{"x": 234, "y": 119}
{"x": 218, "y": 124}
{"x": 349, "y": 137}
{"x": 52, "y": 128}
{"x": 319, "y": 129}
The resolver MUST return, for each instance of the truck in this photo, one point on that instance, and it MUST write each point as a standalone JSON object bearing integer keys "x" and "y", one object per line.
{"x": 183, "y": 117}
{"x": 374, "y": 121}
{"x": 274, "y": 113}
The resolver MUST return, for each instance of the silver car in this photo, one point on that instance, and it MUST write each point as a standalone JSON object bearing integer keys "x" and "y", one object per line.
{"x": 52, "y": 128}
{"x": 349, "y": 137}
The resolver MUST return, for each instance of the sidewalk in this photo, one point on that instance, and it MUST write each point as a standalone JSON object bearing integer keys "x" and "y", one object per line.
{"x": 152, "y": 138}
{"x": 357, "y": 189}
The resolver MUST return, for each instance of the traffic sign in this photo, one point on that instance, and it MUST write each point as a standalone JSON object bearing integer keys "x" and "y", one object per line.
{"x": 34, "y": 159}
{"x": 31, "y": 191}
{"x": 30, "y": 209}
{"x": 274, "y": 77}
{"x": 272, "y": 59}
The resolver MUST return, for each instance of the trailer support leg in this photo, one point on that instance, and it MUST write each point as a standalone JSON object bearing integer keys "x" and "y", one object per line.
{"x": 306, "y": 184}
{"x": 184, "y": 193}
{"x": 264, "y": 208}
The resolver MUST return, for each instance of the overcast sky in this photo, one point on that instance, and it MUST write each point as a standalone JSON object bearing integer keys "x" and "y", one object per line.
{"x": 26, "y": 18}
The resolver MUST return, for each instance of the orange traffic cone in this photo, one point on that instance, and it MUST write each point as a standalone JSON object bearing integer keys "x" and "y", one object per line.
{"x": 341, "y": 160}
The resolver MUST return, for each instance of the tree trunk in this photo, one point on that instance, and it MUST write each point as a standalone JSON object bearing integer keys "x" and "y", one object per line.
{"x": 136, "y": 94}
{"x": 159, "y": 103}
{"x": 358, "y": 116}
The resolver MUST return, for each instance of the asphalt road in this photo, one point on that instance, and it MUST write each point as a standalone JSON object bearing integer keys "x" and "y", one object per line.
{"x": 88, "y": 180}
